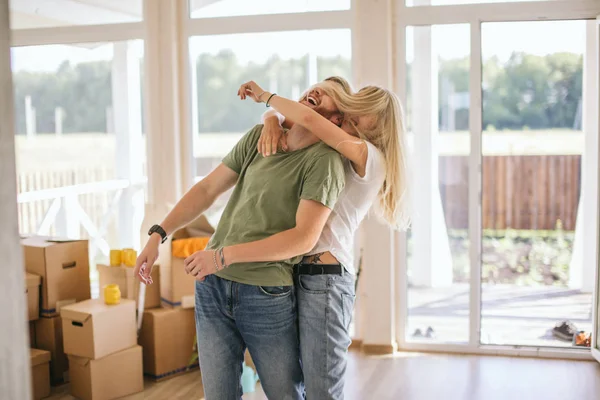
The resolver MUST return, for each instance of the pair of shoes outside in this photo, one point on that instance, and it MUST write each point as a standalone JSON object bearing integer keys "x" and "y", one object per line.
{"x": 567, "y": 331}
{"x": 564, "y": 330}
{"x": 429, "y": 333}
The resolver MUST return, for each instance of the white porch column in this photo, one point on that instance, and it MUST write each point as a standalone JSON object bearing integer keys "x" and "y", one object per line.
{"x": 312, "y": 69}
{"x": 15, "y": 370}
{"x": 582, "y": 266}
{"x": 431, "y": 258}
{"x": 167, "y": 112}
{"x": 127, "y": 114}
{"x": 30, "y": 121}
{"x": 372, "y": 64}
{"x": 58, "y": 121}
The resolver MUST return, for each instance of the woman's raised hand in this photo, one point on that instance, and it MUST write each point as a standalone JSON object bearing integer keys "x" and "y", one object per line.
{"x": 252, "y": 90}
{"x": 271, "y": 138}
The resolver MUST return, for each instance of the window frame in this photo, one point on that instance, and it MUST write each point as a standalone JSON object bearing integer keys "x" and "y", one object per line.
{"x": 474, "y": 15}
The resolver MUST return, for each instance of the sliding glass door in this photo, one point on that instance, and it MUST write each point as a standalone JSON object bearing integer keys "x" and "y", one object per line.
{"x": 536, "y": 261}
{"x": 502, "y": 115}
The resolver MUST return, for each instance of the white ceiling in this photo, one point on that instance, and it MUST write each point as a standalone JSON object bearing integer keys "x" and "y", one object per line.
{"x": 49, "y": 13}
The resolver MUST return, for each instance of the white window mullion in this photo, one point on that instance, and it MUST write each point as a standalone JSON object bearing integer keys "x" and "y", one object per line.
{"x": 596, "y": 305}
{"x": 475, "y": 128}
{"x": 401, "y": 297}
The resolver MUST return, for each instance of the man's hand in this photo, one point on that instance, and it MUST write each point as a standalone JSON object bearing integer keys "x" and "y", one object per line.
{"x": 146, "y": 260}
{"x": 200, "y": 264}
{"x": 271, "y": 138}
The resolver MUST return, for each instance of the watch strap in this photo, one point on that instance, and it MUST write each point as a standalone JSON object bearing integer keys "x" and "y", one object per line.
{"x": 158, "y": 229}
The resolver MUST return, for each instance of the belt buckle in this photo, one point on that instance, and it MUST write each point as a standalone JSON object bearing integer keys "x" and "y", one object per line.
{"x": 316, "y": 267}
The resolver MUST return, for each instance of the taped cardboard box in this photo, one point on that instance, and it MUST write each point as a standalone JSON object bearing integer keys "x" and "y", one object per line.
{"x": 111, "y": 377}
{"x": 167, "y": 337}
{"x": 129, "y": 284}
{"x": 40, "y": 373}
{"x": 49, "y": 337}
{"x": 177, "y": 289}
{"x": 93, "y": 329}
{"x": 32, "y": 291}
{"x": 64, "y": 269}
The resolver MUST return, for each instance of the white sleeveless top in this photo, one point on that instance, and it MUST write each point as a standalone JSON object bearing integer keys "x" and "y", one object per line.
{"x": 352, "y": 206}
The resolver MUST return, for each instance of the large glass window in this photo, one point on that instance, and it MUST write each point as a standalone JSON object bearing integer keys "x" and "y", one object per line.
{"x": 438, "y": 242}
{"x": 230, "y": 8}
{"x": 536, "y": 284}
{"x": 25, "y": 14}
{"x": 80, "y": 151}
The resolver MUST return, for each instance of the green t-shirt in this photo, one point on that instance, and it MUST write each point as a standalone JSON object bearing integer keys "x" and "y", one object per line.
{"x": 266, "y": 198}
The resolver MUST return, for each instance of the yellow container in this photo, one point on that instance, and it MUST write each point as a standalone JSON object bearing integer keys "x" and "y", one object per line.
{"x": 112, "y": 294}
{"x": 129, "y": 257}
{"x": 116, "y": 258}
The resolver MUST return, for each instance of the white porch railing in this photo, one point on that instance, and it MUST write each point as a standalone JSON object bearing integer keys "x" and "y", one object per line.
{"x": 67, "y": 216}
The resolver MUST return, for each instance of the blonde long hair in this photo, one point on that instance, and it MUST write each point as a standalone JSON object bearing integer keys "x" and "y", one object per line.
{"x": 388, "y": 135}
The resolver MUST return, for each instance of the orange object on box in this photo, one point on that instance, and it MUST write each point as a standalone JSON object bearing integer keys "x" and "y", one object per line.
{"x": 183, "y": 248}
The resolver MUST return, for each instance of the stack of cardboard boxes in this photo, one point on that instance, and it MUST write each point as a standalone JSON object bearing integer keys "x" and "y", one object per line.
{"x": 168, "y": 325}
{"x": 100, "y": 340}
{"x": 40, "y": 359}
{"x": 57, "y": 274}
{"x": 104, "y": 359}
{"x": 167, "y": 333}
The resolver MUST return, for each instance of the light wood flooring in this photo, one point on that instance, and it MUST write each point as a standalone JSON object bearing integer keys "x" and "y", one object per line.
{"x": 417, "y": 376}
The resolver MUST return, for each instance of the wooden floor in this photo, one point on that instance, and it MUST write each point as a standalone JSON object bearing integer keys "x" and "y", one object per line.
{"x": 415, "y": 376}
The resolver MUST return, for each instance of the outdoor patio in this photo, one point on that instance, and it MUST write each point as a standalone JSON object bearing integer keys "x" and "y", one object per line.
{"x": 511, "y": 314}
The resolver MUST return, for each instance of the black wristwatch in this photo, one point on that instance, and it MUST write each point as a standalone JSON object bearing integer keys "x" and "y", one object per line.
{"x": 158, "y": 229}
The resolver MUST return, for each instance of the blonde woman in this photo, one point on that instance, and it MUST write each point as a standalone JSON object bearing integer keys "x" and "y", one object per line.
{"x": 372, "y": 140}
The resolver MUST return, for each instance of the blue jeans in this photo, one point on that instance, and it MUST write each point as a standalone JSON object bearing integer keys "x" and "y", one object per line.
{"x": 325, "y": 305}
{"x": 231, "y": 316}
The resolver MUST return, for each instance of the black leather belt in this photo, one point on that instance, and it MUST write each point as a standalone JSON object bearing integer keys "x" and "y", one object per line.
{"x": 318, "y": 269}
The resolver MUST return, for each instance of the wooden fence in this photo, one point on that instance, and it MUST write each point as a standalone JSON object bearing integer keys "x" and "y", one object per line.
{"x": 519, "y": 192}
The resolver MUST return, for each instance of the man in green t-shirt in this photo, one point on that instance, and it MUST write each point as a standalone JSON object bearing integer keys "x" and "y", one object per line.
{"x": 286, "y": 197}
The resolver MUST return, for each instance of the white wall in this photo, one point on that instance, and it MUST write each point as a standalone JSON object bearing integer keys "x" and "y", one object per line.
{"x": 15, "y": 373}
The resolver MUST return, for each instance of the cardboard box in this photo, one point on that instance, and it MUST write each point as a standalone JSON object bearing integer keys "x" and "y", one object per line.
{"x": 111, "y": 377}
{"x": 93, "y": 329}
{"x": 64, "y": 268}
{"x": 32, "y": 290}
{"x": 167, "y": 337}
{"x": 31, "y": 334}
{"x": 176, "y": 287}
{"x": 49, "y": 337}
{"x": 40, "y": 373}
{"x": 129, "y": 284}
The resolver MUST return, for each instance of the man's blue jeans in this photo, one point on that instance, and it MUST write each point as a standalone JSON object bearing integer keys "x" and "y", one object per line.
{"x": 231, "y": 316}
{"x": 325, "y": 306}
